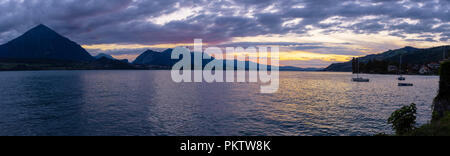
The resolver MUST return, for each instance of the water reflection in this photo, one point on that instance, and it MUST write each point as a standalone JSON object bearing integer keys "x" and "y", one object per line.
{"x": 149, "y": 103}
{"x": 41, "y": 103}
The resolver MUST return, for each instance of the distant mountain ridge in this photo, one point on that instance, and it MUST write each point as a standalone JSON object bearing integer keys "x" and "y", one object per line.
{"x": 41, "y": 48}
{"x": 410, "y": 56}
{"x": 154, "y": 58}
{"x": 42, "y": 42}
{"x": 107, "y": 56}
{"x": 99, "y": 56}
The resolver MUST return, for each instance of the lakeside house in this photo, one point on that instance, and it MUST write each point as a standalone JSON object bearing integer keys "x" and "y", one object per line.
{"x": 434, "y": 66}
{"x": 424, "y": 70}
{"x": 392, "y": 68}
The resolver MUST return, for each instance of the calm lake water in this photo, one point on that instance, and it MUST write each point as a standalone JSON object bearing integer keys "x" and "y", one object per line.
{"x": 149, "y": 103}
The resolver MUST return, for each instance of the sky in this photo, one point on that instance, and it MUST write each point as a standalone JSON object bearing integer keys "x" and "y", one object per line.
{"x": 310, "y": 33}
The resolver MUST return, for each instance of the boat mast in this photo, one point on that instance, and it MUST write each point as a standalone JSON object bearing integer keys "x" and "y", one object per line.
{"x": 400, "y": 68}
{"x": 357, "y": 62}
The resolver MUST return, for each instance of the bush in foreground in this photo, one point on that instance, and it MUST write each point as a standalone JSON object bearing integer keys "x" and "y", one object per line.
{"x": 404, "y": 119}
{"x": 441, "y": 103}
{"x": 439, "y": 127}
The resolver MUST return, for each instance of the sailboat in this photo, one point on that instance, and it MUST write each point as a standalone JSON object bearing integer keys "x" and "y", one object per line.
{"x": 359, "y": 79}
{"x": 401, "y": 78}
{"x": 445, "y": 58}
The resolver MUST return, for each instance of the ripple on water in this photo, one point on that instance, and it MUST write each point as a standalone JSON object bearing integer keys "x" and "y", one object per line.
{"x": 149, "y": 103}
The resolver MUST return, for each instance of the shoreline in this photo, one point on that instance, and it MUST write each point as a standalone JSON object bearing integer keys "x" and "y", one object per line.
{"x": 170, "y": 69}
{"x": 381, "y": 73}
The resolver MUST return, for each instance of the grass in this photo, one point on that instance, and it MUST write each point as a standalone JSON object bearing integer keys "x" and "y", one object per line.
{"x": 440, "y": 127}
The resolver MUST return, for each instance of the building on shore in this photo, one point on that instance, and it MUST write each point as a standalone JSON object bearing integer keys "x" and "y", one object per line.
{"x": 425, "y": 70}
{"x": 392, "y": 68}
{"x": 434, "y": 66}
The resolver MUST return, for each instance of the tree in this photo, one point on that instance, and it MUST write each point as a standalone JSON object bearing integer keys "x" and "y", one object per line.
{"x": 404, "y": 119}
{"x": 441, "y": 104}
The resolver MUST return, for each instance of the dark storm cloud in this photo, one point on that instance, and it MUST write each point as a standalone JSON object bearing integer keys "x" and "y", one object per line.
{"x": 131, "y": 21}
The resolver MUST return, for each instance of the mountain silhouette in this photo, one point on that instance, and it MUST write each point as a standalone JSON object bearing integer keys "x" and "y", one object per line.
{"x": 42, "y": 43}
{"x": 103, "y": 55}
{"x": 41, "y": 48}
{"x": 164, "y": 58}
{"x": 99, "y": 56}
{"x": 154, "y": 58}
{"x": 410, "y": 57}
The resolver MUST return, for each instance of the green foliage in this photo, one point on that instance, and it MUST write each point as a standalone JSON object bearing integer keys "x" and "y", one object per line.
{"x": 371, "y": 66}
{"x": 404, "y": 119}
{"x": 444, "y": 84}
{"x": 382, "y": 135}
{"x": 435, "y": 115}
{"x": 441, "y": 103}
{"x": 437, "y": 128}
{"x": 375, "y": 66}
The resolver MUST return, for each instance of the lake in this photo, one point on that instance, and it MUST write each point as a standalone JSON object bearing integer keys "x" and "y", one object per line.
{"x": 149, "y": 103}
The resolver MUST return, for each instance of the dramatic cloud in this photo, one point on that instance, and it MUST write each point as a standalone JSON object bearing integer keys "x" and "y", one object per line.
{"x": 316, "y": 26}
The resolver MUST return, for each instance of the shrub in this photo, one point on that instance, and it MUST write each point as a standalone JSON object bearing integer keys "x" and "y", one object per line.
{"x": 404, "y": 119}
{"x": 441, "y": 103}
{"x": 437, "y": 128}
